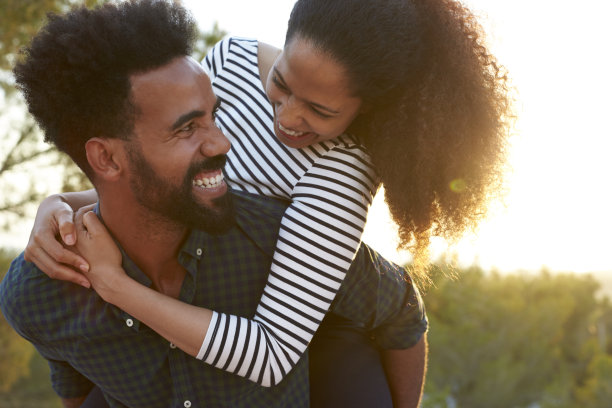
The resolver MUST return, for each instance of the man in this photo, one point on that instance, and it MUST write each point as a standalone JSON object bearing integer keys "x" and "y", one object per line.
{"x": 116, "y": 90}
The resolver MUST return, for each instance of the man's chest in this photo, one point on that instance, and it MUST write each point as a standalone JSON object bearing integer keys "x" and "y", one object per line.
{"x": 136, "y": 367}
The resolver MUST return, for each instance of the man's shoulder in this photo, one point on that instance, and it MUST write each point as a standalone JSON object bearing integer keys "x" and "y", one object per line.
{"x": 249, "y": 203}
{"x": 19, "y": 274}
{"x": 259, "y": 218}
{"x": 17, "y": 290}
{"x": 29, "y": 298}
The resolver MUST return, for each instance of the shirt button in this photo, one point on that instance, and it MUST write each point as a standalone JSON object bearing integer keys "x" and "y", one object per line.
{"x": 129, "y": 322}
{"x": 172, "y": 346}
{"x": 187, "y": 404}
{"x": 199, "y": 251}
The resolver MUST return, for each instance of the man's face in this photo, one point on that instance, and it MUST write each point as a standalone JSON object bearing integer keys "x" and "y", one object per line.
{"x": 177, "y": 153}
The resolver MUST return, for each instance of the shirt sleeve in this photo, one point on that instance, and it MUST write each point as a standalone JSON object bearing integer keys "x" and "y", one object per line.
{"x": 215, "y": 58}
{"x": 22, "y": 314}
{"x": 68, "y": 382}
{"x": 318, "y": 238}
{"x": 381, "y": 297}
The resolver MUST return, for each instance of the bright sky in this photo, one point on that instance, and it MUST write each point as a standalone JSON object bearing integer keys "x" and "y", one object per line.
{"x": 558, "y": 54}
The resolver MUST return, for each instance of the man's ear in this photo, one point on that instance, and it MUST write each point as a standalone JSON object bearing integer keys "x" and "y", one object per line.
{"x": 105, "y": 156}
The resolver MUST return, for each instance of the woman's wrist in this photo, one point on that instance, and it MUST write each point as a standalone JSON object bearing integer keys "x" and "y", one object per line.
{"x": 116, "y": 289}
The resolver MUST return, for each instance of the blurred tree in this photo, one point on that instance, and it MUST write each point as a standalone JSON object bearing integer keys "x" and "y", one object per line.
{"x": 29, "y": 168}
{"x": 515, "y": 341}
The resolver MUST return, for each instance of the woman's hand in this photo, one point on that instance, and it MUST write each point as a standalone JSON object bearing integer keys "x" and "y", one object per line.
{"x": 183, "y": 324}
{"x": 95, "y": 244}
{"x": 51, "y": 242}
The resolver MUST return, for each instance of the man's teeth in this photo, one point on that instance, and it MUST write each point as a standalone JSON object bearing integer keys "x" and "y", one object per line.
{"x": 209, "y": 182}
{"x": 289, "y": 131}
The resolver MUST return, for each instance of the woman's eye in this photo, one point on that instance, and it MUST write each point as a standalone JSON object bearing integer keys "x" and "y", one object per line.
{"x": 278, "y": 84}
{"x": 319, "y": 113}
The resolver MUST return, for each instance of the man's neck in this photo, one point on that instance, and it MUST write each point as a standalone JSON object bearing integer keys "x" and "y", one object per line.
{"x": 150, "y": 240}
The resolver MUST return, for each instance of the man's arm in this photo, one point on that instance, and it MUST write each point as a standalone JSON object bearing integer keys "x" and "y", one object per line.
{"x": 405, "y": 370}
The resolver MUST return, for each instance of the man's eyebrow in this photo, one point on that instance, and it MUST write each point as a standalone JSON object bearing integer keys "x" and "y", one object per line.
{"x": 318, "y": 106}
{"x": 186, "y": 118}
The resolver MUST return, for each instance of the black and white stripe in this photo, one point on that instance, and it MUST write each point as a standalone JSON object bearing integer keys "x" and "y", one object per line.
{"x": 330, "y": 186}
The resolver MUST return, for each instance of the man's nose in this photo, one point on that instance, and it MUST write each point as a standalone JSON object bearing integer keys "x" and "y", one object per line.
{"x": 215, "y": 143}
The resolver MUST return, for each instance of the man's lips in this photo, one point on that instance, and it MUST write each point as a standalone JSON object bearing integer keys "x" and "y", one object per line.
{"x": 209, "y": 179}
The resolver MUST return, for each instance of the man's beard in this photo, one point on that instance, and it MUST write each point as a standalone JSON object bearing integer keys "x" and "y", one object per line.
{"x": 177, "y": 203}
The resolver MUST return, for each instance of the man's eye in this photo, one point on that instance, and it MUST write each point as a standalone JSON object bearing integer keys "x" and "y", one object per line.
{"x": 189, "y": 128}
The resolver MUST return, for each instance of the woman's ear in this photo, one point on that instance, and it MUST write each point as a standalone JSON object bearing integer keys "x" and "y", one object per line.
{"x": 104, "y": 157}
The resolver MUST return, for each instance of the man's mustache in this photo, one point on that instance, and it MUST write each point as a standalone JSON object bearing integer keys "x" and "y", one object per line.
{"x": 212, "y": 163}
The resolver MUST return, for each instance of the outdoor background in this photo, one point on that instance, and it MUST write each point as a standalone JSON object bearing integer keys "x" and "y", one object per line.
{"x": 526, "y": 322}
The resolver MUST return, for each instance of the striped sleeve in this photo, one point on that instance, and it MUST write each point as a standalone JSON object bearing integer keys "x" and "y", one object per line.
{"x": 215, "y": 59}
{"x": 319, "y": 236}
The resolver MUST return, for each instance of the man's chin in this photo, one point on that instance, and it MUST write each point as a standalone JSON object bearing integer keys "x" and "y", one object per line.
{"x": 218, "y": 219}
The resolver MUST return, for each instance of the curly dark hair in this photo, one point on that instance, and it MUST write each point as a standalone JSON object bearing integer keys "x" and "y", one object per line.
{"x": 440, "y": 110}
{"x": 75, "y": 75}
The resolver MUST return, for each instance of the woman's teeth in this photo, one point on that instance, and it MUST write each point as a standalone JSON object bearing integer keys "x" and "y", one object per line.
{"x": 289, "y": 131}
{"x": 209, "y": 182}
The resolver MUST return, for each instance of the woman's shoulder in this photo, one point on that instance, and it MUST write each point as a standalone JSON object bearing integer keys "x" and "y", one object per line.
{"x": 266, "y": 55}
{"x": 346, "y": 144}
{"x": 345, "y": 155}
{"x": 217, "y": 55}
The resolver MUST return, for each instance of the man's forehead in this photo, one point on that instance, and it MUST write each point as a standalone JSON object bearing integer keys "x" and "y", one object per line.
{"x": 177, "y": 71}
{"x": 164, "y": 94}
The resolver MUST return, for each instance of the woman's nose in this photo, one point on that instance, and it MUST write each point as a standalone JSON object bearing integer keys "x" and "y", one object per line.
{"x": 289, "y": 113}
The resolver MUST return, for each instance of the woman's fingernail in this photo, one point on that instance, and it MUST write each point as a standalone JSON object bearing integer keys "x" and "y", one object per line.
{"x": 69, "y": 239}
{"x": 84, "y": 267}
{"x": 85, "y": 284}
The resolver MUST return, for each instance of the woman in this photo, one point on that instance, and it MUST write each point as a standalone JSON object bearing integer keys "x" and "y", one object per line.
{"x": 408, "y": 80}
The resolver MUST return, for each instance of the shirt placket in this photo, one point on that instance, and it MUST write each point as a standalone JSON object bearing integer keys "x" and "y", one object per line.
{"x": 183, "y": 391}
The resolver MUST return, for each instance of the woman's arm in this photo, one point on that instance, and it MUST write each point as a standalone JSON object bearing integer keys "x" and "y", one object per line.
{"x": 319, "y": 236}
{"x": 53, "y": 235}
{"x": 182, "y": 324}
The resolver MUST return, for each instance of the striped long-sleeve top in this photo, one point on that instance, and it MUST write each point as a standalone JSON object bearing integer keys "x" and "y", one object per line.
{"x": 330, "y": 186}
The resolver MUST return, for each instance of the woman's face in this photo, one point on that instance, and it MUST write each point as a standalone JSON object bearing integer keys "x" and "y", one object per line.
{"x": 311, "y": 96}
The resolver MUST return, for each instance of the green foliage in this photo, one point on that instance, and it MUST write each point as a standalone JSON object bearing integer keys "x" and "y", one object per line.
{"x": 517, "y": 340}
{"x": 206, "y": 40}
{"x": 34, "y": 390}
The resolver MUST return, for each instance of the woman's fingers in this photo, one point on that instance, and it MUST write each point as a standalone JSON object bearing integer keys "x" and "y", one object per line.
{"x": 54, "y": 225}
{"x": 66, "y": 227}
{"x": 50, "y": 246}
{"x": 56, "y": 270}
{"x": 92, "y": 223}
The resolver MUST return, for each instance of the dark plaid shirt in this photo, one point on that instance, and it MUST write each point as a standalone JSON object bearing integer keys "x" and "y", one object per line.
{"x": 89, "y": 341}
